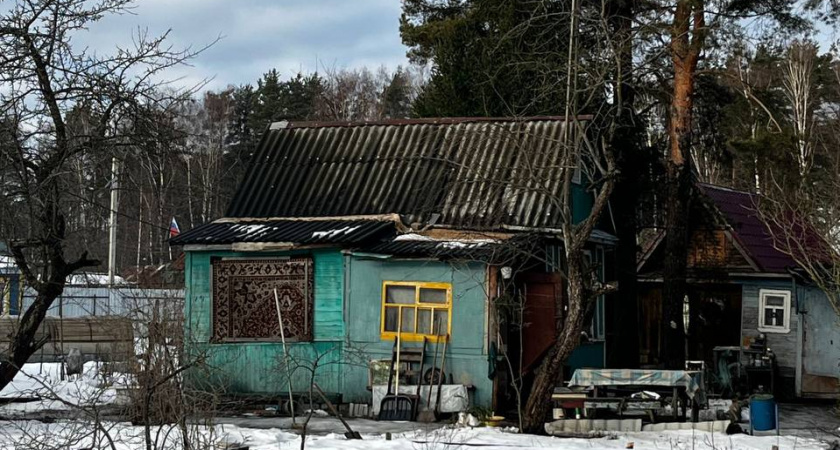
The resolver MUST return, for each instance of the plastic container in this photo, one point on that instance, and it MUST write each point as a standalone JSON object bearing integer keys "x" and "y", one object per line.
{"x": 762, "y": 412}
{"x": 493, "y": 421}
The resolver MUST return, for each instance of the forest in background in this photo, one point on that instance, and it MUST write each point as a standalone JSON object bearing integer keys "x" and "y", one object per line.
{"x": 766, "y": 111}
{"x": 194, "y": 151}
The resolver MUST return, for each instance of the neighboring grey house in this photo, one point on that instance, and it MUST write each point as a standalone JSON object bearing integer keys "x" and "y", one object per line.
{"x": 741, "y": 288}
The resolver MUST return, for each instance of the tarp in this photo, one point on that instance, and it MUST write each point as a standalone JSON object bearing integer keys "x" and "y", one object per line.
{"x": 629, "y": 377}
{"x": 453, "y": 397}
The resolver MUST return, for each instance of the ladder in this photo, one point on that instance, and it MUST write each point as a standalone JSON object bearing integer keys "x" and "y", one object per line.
{"x": 414, "y": 358}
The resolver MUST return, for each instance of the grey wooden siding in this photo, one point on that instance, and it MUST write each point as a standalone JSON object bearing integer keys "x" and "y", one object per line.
{"x": 821, "y": 338}
{"x": 782, "y": 344}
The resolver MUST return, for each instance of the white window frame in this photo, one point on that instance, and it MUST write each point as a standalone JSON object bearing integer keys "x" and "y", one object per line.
{"x": 762, "y": 306}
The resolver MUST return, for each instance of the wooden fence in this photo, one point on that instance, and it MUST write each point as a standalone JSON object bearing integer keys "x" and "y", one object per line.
{"x": 103, "y": 338}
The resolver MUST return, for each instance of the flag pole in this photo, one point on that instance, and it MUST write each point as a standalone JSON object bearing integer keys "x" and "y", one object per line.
{"x": 174, "y": 230}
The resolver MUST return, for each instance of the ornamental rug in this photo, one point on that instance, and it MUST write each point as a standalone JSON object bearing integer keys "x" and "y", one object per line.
{"x": 244, "y": 305}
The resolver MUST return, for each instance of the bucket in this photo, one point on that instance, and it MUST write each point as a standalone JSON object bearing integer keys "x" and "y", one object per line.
{"x": 762, "y": 412}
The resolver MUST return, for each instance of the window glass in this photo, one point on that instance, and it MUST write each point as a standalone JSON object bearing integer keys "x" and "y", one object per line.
{"x": 424, "y": 321}
{"x": 407, "y": 320}
{"x": 442, "y": 322}
{"x": 774, "y": 300}
{"x": 391, "y": 317}
{"x": 399, "y": 294}
{"x": 428, "y": 295}
{"x": 768, "y": 317}
{"x": 778, "y": 318}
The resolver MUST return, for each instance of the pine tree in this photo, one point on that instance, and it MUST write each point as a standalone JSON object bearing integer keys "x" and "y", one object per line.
{"x": 396, "y": 97}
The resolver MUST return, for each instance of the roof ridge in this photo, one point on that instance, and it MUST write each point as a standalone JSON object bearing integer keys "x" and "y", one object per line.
{"x": 362, "y": 217}
{"x": 288, "y": 124}
{"x": 726, "y": 188}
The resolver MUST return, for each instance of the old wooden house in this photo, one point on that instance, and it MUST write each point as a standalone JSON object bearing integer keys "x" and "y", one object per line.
{"x": 743, "y": 290}
{"x": 369, "y": 230}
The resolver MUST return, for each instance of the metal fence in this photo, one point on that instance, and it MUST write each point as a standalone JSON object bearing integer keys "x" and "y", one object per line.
{"x": 84, "y": 301}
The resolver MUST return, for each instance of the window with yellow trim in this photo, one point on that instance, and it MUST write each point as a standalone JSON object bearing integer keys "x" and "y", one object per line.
{"x": 416, "y": 309}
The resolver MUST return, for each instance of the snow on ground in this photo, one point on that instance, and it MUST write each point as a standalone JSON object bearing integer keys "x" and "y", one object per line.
{"x": 498, "y": 439}
{"x": 42, "y": 382}
{"x": 30, "y": 434}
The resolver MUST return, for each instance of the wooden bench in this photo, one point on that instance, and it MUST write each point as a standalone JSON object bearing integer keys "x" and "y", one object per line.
{"x": 620, "y": 405}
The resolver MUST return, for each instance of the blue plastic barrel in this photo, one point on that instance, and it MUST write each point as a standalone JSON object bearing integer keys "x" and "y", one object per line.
{"x": 762, "y": 412}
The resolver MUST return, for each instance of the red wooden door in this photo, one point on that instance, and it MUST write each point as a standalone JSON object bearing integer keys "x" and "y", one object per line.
{"x": 542, "y": 292}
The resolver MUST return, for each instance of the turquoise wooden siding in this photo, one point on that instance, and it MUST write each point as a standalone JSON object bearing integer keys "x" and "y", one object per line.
{"x": 582, "y": 202}
{"x": 344, "y": 351}
{"x": 258, "y": 366}
{"x": 466, "y": 355}
{"x": 588, "y": 355}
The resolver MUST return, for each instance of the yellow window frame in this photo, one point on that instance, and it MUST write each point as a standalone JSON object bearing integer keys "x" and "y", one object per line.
{"x": 417, "y": 305}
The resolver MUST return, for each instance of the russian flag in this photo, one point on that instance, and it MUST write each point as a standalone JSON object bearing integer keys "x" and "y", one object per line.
{"x": 173, "y": 229}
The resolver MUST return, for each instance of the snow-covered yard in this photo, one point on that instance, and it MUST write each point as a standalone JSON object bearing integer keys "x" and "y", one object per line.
{"x": 22, "y": 434}
{"x": 43, "y": 383}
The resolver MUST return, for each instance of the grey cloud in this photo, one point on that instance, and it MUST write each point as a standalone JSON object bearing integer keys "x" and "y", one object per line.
{"x": 290, "y": 35}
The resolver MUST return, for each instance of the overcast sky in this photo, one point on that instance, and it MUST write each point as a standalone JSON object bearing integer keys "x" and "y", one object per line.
{"x": 257, "y": 35}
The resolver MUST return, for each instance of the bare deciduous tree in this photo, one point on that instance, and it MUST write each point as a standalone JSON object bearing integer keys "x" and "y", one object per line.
{"x": 798, "y": 83}
{"x": 44, "y": 79}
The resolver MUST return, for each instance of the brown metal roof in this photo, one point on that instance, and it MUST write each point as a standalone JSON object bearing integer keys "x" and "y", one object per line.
{"x": 468, "y": 172}
{"x": 739, "y": 210}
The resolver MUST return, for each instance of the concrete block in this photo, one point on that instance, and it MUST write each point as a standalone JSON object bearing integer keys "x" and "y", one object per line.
{"x": 584, "y": 426}
{"x": 718, "y": 426}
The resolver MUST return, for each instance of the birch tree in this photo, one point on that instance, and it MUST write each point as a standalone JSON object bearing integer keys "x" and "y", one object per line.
{"x": 798, "y": 82}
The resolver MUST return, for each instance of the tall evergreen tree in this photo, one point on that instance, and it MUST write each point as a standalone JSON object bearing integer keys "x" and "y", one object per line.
{"x": 396, "y": 97}
{"x": 489, "y": 57}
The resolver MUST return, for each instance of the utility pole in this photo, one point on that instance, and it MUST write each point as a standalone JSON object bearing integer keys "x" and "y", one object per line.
{"x": 112, "y": 222}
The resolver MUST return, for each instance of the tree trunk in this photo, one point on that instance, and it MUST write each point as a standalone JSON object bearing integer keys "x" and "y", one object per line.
{"x": 624, "y": 344}
{"x": 687, "y": 40}
{"x": 23, "y": 344}
{"x": 48, "y": 286}
{"x": 537, "y": 407}
{"x": 674, "y": 274}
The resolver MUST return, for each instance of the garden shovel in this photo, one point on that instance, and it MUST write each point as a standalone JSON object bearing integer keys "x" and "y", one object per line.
{"x": 427, "y": 414}
{"x": 442, "y": 375}
{"x": 350, "y": 434}
{"x": 395, "y": 406}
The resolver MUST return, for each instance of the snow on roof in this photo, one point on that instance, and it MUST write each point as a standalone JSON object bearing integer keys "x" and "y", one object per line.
{"x": 449, "y": 244}
{"x": 462, "y": 244}
{"x": 334, "y": 232}
{"x": 298, "y": 231}
{"x": 413, "y": 237}
{"x": 251, "y": 230}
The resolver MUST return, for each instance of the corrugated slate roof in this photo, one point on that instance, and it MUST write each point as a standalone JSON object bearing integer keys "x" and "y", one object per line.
{"x": 489, "y": 250}
{"x": 738, "y": 208}
{"x": 474, "y": 173}
{"x": 301, "y": 232}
